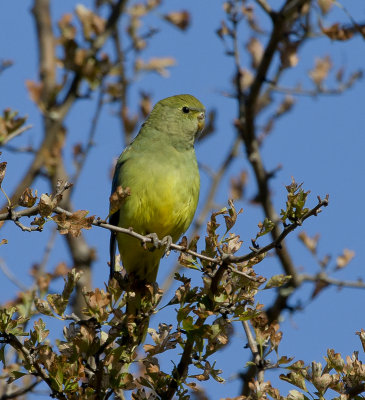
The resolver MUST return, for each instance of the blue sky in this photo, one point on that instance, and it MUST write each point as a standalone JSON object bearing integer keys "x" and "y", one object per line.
{"x": 321, "y": 143}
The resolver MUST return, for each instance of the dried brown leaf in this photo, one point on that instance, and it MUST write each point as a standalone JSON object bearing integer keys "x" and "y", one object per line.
{"x": 325, "y": 5}
{"x": 309, "y": 242}
{"x": 256, "y": 50}
{"x": 285, "y": 106}
{"x": 117, "y": 198}
{"x": 223, "y": 30}
{"x": 46, "y": 205}
{"x": 92, "y": 24}
{"x": 246, "y": 78}
{"x": 27, "y": 199}
{"x": 35, "y": 90}
{"x": 180, "y": 19}
{"x": 344, "y": 259}
{"x": 289, "y": 55}
{"x": 2, "y": 171}
{"x": 74, "y": 223}
{"x": 68, "y": 31}
{"x": 238, "y": 184}
{"x": 321, "y": 69}
{"x": 155, "y": 64}
{"x": 145, "y": 104}
{"x": 338, "y": 32}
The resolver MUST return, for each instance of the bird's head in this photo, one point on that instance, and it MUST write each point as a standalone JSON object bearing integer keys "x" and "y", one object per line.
{"x": 180, "y": 117}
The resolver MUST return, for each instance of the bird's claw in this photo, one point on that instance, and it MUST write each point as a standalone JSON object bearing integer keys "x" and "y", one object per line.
{"x": 167, "y": 242}
{"x": 157, "y": 244}
{"x": 155, "y": 241}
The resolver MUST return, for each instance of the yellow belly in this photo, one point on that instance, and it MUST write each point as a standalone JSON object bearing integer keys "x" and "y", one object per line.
{"x": 164, "y": 206}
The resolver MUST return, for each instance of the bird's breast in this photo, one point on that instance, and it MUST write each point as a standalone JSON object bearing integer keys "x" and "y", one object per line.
{"x": 164, "y": 196}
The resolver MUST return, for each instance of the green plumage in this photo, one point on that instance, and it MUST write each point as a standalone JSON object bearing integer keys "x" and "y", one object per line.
{"x": 161, "y": 170}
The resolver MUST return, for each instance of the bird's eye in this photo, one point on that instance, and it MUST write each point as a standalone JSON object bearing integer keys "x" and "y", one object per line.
{"x": 185, "y": 110}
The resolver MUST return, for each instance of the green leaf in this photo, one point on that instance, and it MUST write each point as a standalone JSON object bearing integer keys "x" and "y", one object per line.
{"x": 14, "y": 375}
{"x": 277, "y": 281}
{"x": 265, "y": 227}
{"x": 188, "y": 324}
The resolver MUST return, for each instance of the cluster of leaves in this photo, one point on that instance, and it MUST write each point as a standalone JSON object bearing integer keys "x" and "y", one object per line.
{"x": 97, "y": 351}
{"x": 10, "y": 124}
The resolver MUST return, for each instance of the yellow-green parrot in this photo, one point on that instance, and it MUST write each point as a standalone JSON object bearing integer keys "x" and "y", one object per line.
{"x": 161, "y": 170}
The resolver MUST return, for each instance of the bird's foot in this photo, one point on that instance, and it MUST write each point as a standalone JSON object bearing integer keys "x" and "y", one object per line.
{"x": 158, "y": 244}
{"x": 167, "y": 242}
{"x": 155, "y": 242}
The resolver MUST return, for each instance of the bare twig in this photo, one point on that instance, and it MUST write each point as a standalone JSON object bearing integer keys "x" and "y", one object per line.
{"x": 90, "y": 141}
{"x": 322, "y": 277}
{"x": 265, "y": 6}
{"x": 254, "y": 350}
{"x": 15, "y": 133}
{"x": 7, "y": 272}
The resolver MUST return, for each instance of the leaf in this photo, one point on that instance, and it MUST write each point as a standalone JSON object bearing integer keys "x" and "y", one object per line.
{"x": 43, "y": 307}
{"x": 35, "y": 90}
{"x": 295, "y": 395}
{"x": 344, "y": 259}
{"x": 246, "y": 78}
{"x": 309, "y": 242}
{"x": 325, "y": 5}
{"x": 46, "y": 205}
{"x": 256, "y": 50}
{"x": 57, "y": 302}
{"x": 14, "y": 375}
{"x": 295, "y": 203}
{"x": 334, "y": 360}
{"x": 361, "y": 334}
{"x": 155, "y": 64}
{"x": 320, "y": 71}
{"x": 238, "y": 185}
{"x": 231, "y": 219}
{"x": 9, "y": 123}
{"x": 180, "y": 19}
{"x": 223, "y": 30}
{"x": 338, "y": 32}
{"x": 72, "y": 224}
{"x": 92, "y": 24}
{"x": 27, "y": 199}
{"x": 232, "y": 244}
{"x": 277, "y": 281}
{"x": 145, "y": 104}
{"x": 295, "y": 379}
{"x": 40, "y": 329}
{"x": 265, "y": 227}
{"x": 117, "y": 198}
{"x": 289, "y": 54}
{"x": 2, "y": 171}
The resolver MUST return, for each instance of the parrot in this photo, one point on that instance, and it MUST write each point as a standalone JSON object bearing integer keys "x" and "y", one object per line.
{"x": 161, "y": 171}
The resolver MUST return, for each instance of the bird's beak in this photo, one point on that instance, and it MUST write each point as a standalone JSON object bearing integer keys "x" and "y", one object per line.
{"x": 201, "y": 120}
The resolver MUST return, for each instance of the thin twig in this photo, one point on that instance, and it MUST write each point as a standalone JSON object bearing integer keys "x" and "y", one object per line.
{"x": 265, "y": 6}
{"x": 15, "y": 133}
{"x": 254, "y": 350}
{"x": 21, "y": 391}
{"x": 12, "y": 278}
{"x": 321, "y": 277}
